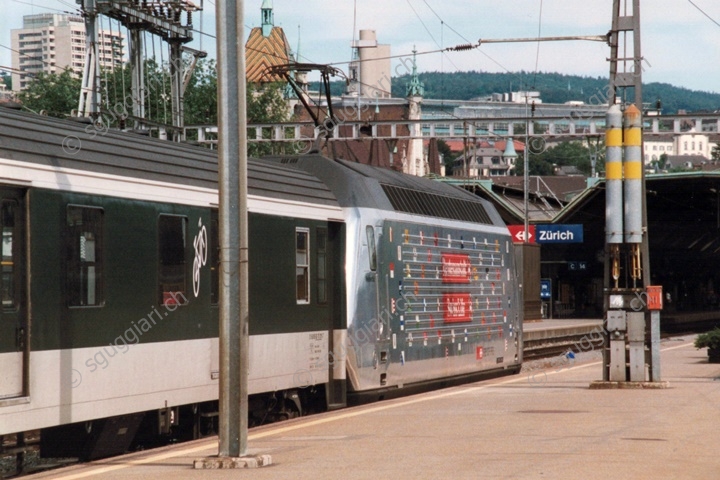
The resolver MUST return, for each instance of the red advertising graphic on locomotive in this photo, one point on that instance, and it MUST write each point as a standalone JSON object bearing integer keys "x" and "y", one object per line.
{"x": 455, "y": 268}
{"x": 457, "y": 307}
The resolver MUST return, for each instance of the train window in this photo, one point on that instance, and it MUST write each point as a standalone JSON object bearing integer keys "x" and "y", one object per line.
{"x": 85, "y": 276}
{"x": 9, "y": 252}
{"x": 172, "y": 236}
{"x": 321, "y": 258}
{"x": 302, "y": 265}
{"x": 372, "y": 252}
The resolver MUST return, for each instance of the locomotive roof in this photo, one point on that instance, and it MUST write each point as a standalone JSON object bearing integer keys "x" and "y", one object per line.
{"x": 358, "y": 185}
{"x": 61, "y": 143}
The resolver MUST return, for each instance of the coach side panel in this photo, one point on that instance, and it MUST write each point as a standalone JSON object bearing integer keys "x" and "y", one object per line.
{"x": 123, "y": 299}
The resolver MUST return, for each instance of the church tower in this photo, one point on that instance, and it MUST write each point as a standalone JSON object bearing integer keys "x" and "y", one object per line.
{"x": 266, "y": 46}
{"x": 268, "y": 18}
{"x": 414, "y": 163}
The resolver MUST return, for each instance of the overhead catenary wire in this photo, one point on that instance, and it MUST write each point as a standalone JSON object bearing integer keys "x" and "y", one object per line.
{"x": 457, "y": 48}
{"x": 46, "y": 8}
{"x": 704, "y": 13}
{"x": 537, "y": 52}
{"x": 444, "y": 23}
{"x": 430, "y": 33}
{"x": 15, "y": 70}
{"x": 148, "y": 102}
{"x": 469, "y": 45}
{"x": 68, "y": 4}
{"x": 354, "y": 27}
{"x": 105, "y": 69}
{"x": 39, "y": 59}
{"x": 122, "y": 73}
{"x": 124, "y": 92}
{"x": 163, "y": 96}
{"x": 201, "y": 26}
{"x": 463, "y": 47}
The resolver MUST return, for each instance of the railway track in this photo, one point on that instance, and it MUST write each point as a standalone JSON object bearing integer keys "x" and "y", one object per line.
{"x": 572, "y": 344}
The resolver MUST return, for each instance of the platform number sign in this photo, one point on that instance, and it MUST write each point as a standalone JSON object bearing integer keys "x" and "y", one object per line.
{"x": 545, "y": 289}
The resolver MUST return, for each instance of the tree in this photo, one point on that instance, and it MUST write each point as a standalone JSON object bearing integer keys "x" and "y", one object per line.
{"x": 117, "y": 96}
{"x": 58, "y": 95}
{"x": 536, "y": 166}
{"x": 200, "y": 98}
{"x": 6, "y": 79}
{"x": 55, "y": 94}
{"x": 662, "y": 164}
{"x": 201, "y": 95}
{"x": 447, "y": 154}
{"x": 266, "y": 104}
{"x": 564, "y": 154}
{"x": 715, "y": 154}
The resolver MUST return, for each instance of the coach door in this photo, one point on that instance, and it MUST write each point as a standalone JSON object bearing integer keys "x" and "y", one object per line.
{"x": 331, "y": 291}
{"x": 13, "y": 314}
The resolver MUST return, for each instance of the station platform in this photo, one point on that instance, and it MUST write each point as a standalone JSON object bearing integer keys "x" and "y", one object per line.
{"x": 559, "y": 327}
{"x": 553, "y": 336}
{"x": 544, "y": 423}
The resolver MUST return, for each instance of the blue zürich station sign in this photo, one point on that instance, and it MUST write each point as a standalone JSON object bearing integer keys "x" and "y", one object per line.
{"x": 570, "y": 233}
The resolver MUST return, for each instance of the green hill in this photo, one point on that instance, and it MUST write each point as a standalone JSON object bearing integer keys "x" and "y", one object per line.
{"x": 553, "y": 88}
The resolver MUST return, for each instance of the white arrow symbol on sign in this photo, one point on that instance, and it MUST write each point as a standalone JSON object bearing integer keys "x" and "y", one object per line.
{"x": 521, "y": 235}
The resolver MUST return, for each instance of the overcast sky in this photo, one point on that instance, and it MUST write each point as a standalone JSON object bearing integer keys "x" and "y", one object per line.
{"x": 680, "y": 38}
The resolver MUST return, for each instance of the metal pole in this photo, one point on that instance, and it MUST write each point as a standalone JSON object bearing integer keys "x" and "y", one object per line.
{"x": 232, "y": 168}
{"x": 89, "y": 102}
{"x": 590, "y": 38}
{"x": 526, "y": 175}
{"x": 137, "y": 75}
{"x": 176, "y": 88}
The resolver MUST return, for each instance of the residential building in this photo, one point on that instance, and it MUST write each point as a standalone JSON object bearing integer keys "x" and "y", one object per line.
{"x": 654, "y": 149}
{"x": 486, "y": 158}
{"x": 692, "y": 143}
{"x": 50, "y": 42}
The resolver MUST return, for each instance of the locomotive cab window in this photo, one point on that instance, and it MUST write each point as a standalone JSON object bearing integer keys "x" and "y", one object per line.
{"x": 172, "y": 236}
{"x": 85, "y": 256}
{"x": 302, "y": 265}
{"x": 372, "y": 252}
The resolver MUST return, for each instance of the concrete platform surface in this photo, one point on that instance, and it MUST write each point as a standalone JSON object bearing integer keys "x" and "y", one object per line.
{"x": 541, "y": 424}
{"x": 549, "y": 329}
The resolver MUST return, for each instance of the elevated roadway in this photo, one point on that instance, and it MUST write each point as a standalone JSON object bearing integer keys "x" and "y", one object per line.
{"x": 574, "y": 125}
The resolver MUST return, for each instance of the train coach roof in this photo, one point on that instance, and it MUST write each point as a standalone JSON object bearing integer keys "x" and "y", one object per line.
{"x": 358, "y": 185}
{"x": 67, "y": 144}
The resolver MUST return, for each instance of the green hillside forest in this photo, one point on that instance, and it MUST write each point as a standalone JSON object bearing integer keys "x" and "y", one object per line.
{"x": 553, "y": 88}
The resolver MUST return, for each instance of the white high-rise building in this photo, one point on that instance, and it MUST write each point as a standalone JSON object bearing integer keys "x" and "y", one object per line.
{"x": 51, "y": 42}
